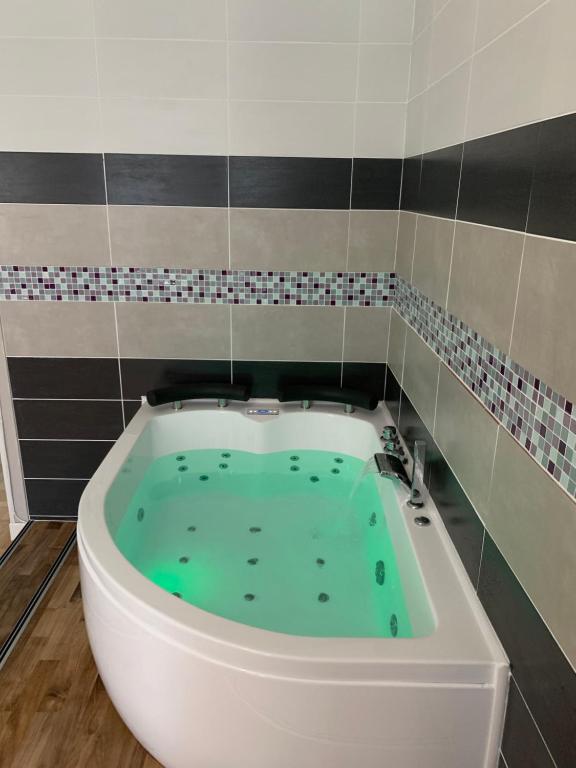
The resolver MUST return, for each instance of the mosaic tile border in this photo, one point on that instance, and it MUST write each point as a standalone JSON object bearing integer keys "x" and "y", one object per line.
{"x": 196, "y": 286}
{"x": 541, "y": 420}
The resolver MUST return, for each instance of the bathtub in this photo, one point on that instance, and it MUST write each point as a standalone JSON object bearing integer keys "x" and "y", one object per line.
{"x": 197, "y": 689}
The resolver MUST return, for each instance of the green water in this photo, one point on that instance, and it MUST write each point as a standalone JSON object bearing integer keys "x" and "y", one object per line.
{"x": 293, "y": 541}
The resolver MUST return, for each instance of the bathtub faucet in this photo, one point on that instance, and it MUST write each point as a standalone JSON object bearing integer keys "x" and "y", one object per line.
{"x": 391, "y": 463}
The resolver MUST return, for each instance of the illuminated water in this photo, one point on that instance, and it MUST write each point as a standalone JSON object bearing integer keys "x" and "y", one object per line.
{"x": 291, "y": 541}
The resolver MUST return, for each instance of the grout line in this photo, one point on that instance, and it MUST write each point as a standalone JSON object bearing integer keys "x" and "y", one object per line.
{"x": 228, "y": 150}
{"x": 477, "y": 585}
{"x": 67, "y": 439}
{"x": 212, "y": 40}
{"x": 61, "y": 479}
{"x": 503, "y": 759}
{"x": 534, "y": 720}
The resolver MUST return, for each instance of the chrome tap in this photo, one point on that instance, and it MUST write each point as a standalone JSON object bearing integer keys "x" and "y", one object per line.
{"x": 391, "y": 464}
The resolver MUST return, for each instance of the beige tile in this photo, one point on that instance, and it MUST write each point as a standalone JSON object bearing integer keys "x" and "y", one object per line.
{"x": 544, "y": 335}
{"x": 421, "y": 377}
{"x": 559, "y": 95}
{"x": 287, "y": 333}
{"x": 415, "y": 124}
{"x": 291, "y": 129}
{"x": 74, "y": 235}
{"x": 420, "y": 63}
{"x": 423, "y": 13}
{"x": 452, "y": 37}
{"x": 497, "y": 102}
{"x": 432, "y": 257}
{"x": 533, "y": 522}
{"x": 193, "y": 331}
{"x": 380, "y": 130}
{"x": 288, "y": 239}
{"x": 47, "y": 67}
{"x": 163, "y": 236}
{"x": 466, "y": 435}
{"x": 384, "y": 72}
{"x": 162, "y": 68}
{"x": 397, "y": 345}
{"x": 193, "y": 19}
{"x": 278, "y": 71}
{"x": 406, "y": 240}
{"x": 495, "y": 17}
{"x": 366, "y": 334}
{"x": 68, "y": 124}
{"x": 58, "y": 329}
{"x": 59, "y": 18}
{"x": 165, "y": 126}
{"x": 294, "y": 20}
{"x": 479, "y": 298}
{"x": 372, "y": 241}
{"x": 446, "y": 110}
{"x": 386, "y": 21}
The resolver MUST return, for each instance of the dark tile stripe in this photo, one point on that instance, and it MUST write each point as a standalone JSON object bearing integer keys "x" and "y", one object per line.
{"x": 496, "y": 178}
{"x": 64, "y": 377}
{"x": 266, "y": 378}
{"x": 411, "y": 178}
{"x": 68, "y": 419}
{"x": 62, "y": 459}
{"x": 187, "y": 180}
{"x": 366, "y": 377}
{"x": 51, "y": 177}
{"x": 54, "y": 498}
{"x": 553, "y": 202}
{"x": 546, "y": 679}
{"x": 141, "y": 375}
{"x": 439, "y": 180}
{"x": 522, "y": 745}
{"x": 290, "y": 182}
{"x": 376, "y": 184}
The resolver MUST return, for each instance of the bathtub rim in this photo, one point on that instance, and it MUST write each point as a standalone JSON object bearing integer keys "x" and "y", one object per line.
{"x": 470, "y": 655}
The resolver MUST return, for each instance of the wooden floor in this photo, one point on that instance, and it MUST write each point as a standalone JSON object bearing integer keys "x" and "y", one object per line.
{"x": 25, "y": 569}
{"x": 54, "y": 711}
{"x": 4, "y": 519}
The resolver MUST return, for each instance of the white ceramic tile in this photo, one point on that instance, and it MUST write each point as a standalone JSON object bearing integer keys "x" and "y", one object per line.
{"x": 191, "y": 19}
{"x": 37, "y": 67}
{"x": 297, "y": 129}
{"x": 57, "y": 18}
{"x": 452, "y": 37}
{"x": 67, "y": 125}
{"x": 423, "y": 12}
{"x": 380, "y": 130}
{"x": 446, "y": 110}
{"x": 420, "y": 62}
{"x": 508, "y": 78}
{"x": 384, "y": 72}
{"x": 294, "y": 20}
{"x": 279, "y": 71}
{"x": 165, "y": 126}
{"x": 495, "y": 17}
{"x": 162, "y": 69}
{"x": 560, "y": 93}
{"x": 387, "y": 21}
{"x": 415, "y": 116}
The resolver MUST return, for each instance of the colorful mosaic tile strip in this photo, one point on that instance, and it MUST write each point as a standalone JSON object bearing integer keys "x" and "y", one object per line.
{"x": 541, "y": 420}
{"x": 197, "y": 286}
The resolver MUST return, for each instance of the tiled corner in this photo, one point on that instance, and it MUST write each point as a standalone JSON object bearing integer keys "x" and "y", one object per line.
{"x": 372, "y": 241}
{"x": 366, "y": 334}
{"x": 405, "y": 248}
{"x": 432, "y": 257}
{"x": 397, "y": 345}
{"x": 420, "y": 378}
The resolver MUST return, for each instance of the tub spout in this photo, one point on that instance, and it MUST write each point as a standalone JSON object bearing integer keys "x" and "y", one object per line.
{"x": 391, "y": 463}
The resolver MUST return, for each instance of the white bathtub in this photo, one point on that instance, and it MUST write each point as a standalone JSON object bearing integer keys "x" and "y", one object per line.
{"x": 201, "y": 691}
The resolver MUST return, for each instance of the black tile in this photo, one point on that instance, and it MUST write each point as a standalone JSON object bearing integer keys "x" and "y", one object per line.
{"x": 392, "y": 395}
{"x": 289, "y": 182}
{"x": 266, "y": 378}
{"x": 68, "y": 419}
{"x": 51, "y": 177}
{"x": 461, "y": 521}
{"x": 131, "y": 408}
{"x": 54, "y": 498}
{"x": 139, "y": 375}
{"x": 200, "y": 180}
{"x": 553, "y": 201}
{"x": 439, "y": 182}
{"x": 546, "y": 679}
{"x": 376, "y": 184}
{"x": 62, "y": 459}
{"x": 522, "y": 745}
{"x": 86, "y": 378}
{"x": 496, "y": 178}
{"x": 411, "y": 183}
{"x": 366, "y": 377}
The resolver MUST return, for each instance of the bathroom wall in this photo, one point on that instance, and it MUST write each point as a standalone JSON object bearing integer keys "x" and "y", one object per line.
{"x": 189, "y": 188}
{"x": 483, "y": 335}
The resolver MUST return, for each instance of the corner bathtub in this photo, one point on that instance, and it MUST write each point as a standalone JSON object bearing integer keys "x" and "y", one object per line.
{"x": 199, "y": 690}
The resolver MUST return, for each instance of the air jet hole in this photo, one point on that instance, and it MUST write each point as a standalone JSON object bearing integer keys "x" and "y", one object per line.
{"x": 180, "y": 458}
{"x": 314, "y": 479}
{"x": 225, "y": 455}
{"x": 140, "y": 515}
{"x": 184, "y": 560}
{"x": 255, "y": 529}
{"x": 294, "y": 468}
{"x": 177, "y": 594}
{"x": 338, "y": 460}
{"x": 294, "y": 458}
{"x": 249, "y": 597}
{"x": 323, "y": 597}
{"x": 252, "y": 561}
{"x": 183, "y": 468}
{"x": 203, "y": 478}
{"x": 320, "y": 562}
{"x": 191, "y": 528}
{"x": 223, "y": 466}
{"x": 335, "y": 471}
{"x": 393, "y": 625}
